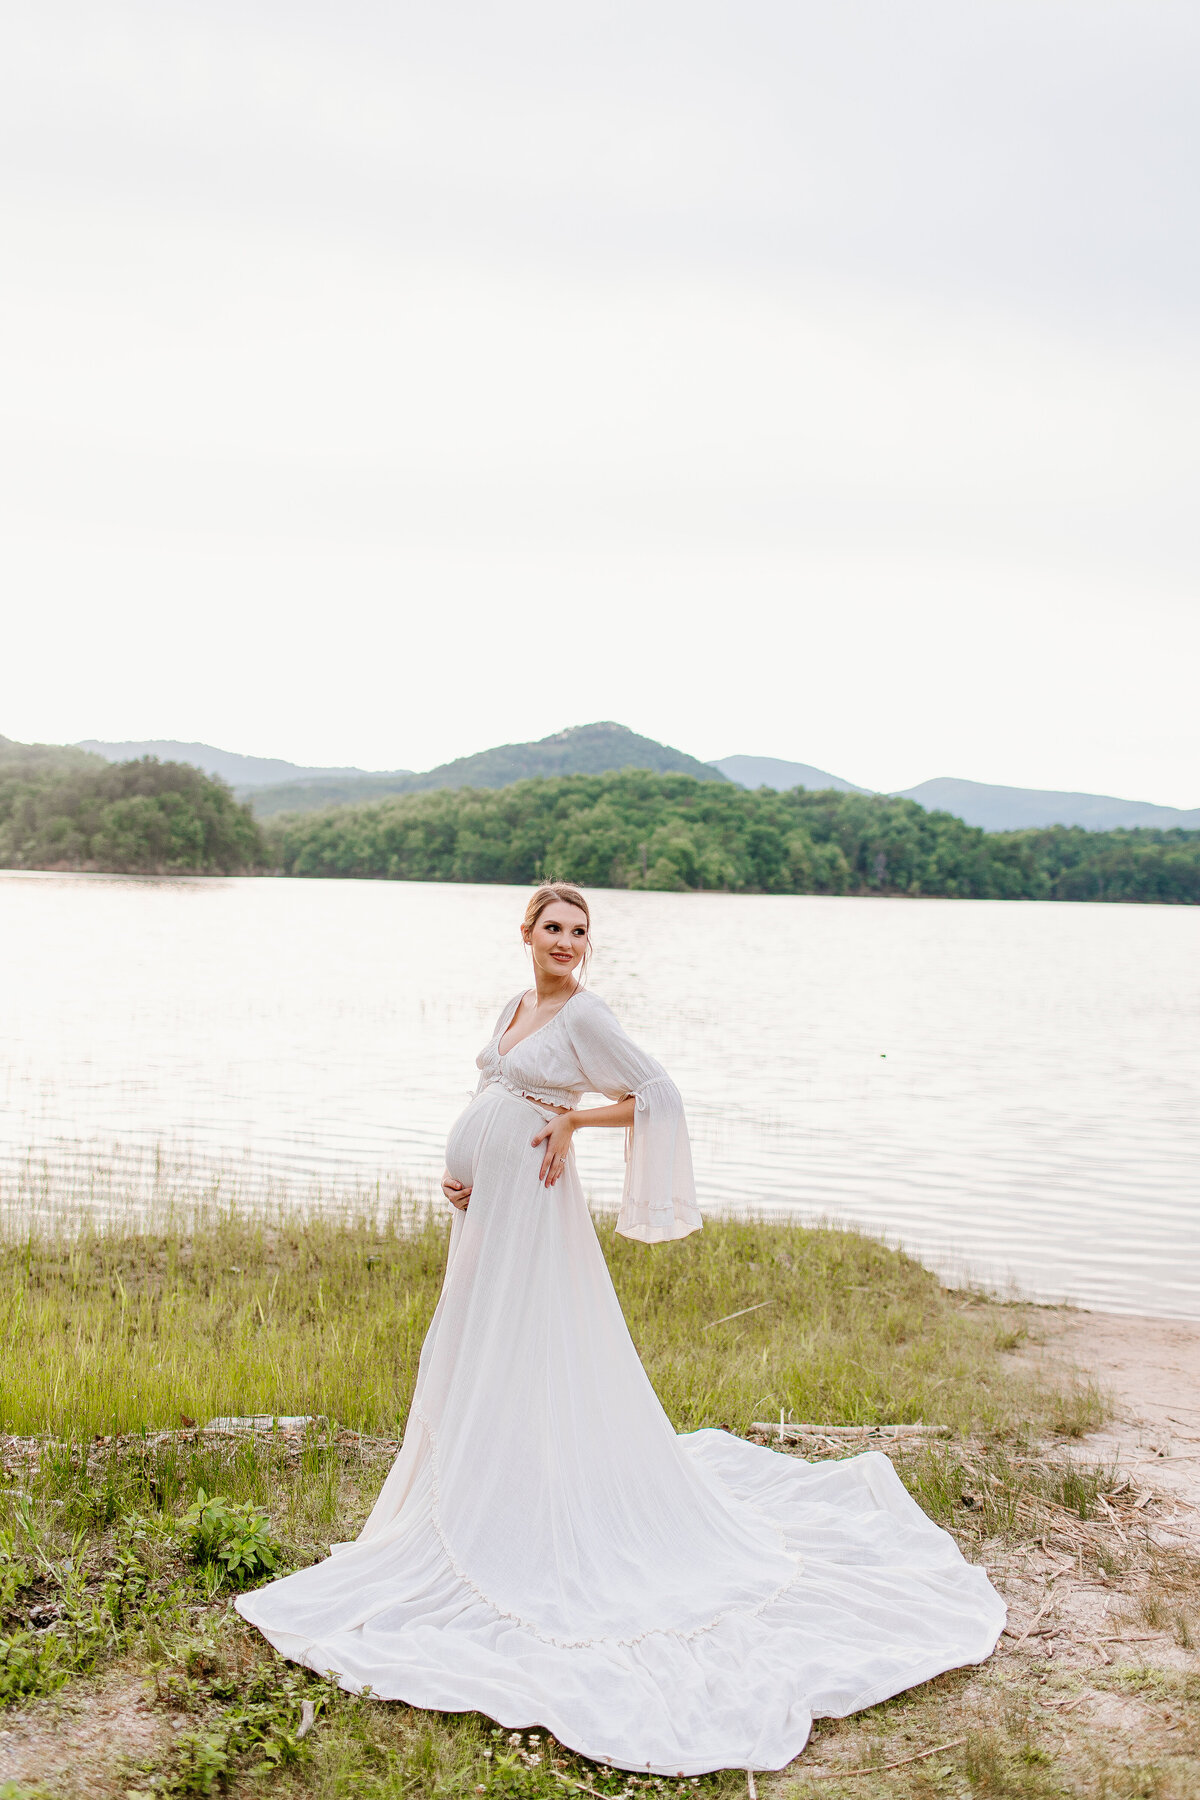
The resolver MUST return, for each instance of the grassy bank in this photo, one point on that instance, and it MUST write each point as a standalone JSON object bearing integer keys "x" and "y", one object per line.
{"x": 124, "y": 1671}
{"x": 112, "y": 1331}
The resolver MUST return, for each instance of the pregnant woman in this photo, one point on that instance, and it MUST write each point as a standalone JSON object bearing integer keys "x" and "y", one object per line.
{"x": 546, "y": 1549}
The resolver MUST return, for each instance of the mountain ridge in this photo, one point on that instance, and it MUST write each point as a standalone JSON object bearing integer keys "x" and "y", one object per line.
{"x": 769, "y": 771}
{"x": 1030, "y": 809}
{"x": 991, "y": 807}
{"x": 597, "y": 749}
{"x": 229, "y": 765}
{"x": 273, "y": 785}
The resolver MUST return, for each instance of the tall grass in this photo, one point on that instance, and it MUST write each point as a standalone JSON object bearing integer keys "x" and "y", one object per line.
{"x": 108, "y": 1328}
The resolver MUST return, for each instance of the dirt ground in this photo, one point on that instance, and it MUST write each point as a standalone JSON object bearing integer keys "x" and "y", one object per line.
{"x": 82, "y": 1738}
{"x": 1150, "y": 1368}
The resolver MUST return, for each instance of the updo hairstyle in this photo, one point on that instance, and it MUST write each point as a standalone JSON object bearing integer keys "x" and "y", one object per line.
{"x": 545, "y": 896}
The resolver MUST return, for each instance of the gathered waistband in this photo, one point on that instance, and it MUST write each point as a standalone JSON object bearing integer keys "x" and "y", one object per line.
{"x": 548, "y": 1098}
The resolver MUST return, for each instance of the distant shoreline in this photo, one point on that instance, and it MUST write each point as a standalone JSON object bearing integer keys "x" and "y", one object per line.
{"x": 154, "y": 876}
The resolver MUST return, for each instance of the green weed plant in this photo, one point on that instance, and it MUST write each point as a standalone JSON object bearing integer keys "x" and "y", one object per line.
{"x": 234, "y": 1535}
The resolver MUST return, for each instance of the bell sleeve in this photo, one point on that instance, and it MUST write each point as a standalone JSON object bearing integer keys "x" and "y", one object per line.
{"x": 659, "y": 1198}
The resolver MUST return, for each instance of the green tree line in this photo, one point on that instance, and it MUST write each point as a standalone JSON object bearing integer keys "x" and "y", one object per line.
{"x": 640, "y": 829}
{"x": 63, "y": 809}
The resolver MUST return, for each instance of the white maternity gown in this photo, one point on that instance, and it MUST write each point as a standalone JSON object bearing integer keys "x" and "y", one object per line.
{"x": 546, "y": 1549}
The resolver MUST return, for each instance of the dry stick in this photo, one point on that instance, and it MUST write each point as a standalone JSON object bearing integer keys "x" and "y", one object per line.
{"x": 879, "y": 1768}
{"x": 739, "y": 1315}
{"x": 1116, "y": 1523}
{"x": 1062, "y": 1706}
{"x": 1047, "y": 1603}
{"x": 581, "y": 1785}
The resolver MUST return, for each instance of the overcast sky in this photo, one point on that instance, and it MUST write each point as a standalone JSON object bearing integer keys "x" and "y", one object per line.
{"x": 382, "y": 381}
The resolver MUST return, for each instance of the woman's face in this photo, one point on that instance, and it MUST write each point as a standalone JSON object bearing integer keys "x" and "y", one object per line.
{"x": 558, "y": 939}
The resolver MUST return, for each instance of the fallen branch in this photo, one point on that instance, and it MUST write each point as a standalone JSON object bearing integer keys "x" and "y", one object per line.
{"x": 880, "y": 1768}
{"x": 836, "y": 1431}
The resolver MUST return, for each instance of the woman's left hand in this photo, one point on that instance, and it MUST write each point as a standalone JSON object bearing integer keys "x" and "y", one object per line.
{"x": 557, "y": 1136}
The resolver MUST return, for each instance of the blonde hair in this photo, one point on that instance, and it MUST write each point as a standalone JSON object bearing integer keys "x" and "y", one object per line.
{"x": 545, "y": 896}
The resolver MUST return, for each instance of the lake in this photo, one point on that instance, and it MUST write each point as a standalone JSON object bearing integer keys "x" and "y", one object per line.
{"x": 1011, "y": 1090}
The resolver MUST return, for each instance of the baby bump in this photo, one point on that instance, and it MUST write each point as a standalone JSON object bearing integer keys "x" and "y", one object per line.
{"x": 497, "y": 1116}
{"x": 466, "y": 1137}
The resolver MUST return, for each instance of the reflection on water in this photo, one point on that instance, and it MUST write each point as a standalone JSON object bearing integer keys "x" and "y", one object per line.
{"x": 1006, "y": 1088}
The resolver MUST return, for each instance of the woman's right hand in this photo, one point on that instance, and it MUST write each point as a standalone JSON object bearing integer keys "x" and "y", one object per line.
{"x": 455, "y": 1192}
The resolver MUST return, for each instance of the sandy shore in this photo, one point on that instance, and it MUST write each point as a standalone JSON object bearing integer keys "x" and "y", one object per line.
{"x": 1150, "y": 1369}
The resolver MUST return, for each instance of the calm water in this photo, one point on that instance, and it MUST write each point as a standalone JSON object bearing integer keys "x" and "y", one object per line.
{"x": 1008, "y": 1089}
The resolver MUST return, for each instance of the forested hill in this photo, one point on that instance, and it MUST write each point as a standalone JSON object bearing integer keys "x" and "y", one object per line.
{"x": 43, "y": 759}
{"x": 641, "y": 829}
{"x": 62, "y": 808}
{"x": 580, "y": 750}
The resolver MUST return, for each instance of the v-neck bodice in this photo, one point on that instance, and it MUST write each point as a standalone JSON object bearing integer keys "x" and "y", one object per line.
{"x": 513, "y": 1008}
{"x": 539, "y": 1066}
{"x": 583, "y": 1050}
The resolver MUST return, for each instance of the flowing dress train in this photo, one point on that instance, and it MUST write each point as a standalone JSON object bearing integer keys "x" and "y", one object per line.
{"x": 548, "y": 1551}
